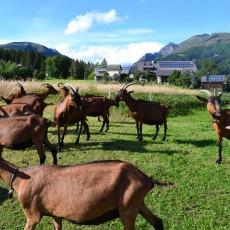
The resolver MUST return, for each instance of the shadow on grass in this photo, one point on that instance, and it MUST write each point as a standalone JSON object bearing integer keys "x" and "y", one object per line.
{"x": 198, "y": 143}
{"x": 3, "y": 195}
{"x": 118, "y": 145}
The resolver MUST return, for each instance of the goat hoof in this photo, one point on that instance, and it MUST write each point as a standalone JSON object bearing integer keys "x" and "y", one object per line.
{"x": 218, "y": 161}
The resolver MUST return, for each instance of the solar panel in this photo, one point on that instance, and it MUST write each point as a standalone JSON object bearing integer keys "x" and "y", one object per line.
{"x": 176, "y": 64}
{"x": 213, "y": 78}
{"x": 216, "y": 78}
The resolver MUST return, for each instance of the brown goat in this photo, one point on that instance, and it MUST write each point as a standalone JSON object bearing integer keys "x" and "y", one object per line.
{"x": 90, "y": 193}
{"x": 21, "y": 132}
{"x": 100, "y": 106}
{"x": 221, "y": 118}
{"x": 15, "y": 109}
{"x": 35, "y": 100}
{"x": 70, "y": 111}
{"x": 49, "y": 89}
{"x": 19, "y": 93}
{"x": 147, "y": 112}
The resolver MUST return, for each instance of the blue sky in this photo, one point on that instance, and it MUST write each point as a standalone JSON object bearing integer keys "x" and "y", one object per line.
{"x": 119, "y": 31}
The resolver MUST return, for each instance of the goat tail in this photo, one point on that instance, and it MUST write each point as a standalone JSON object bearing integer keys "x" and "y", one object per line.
{"x": 162, "y": 183}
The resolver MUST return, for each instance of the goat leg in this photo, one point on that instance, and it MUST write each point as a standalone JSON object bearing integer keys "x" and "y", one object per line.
{"x": 219, "y": 159}
{"x": 52, "y": 149}
{"x": 151, "y": 218}
{"x": 86, "y": 127}
{"x": 61, "y": 139}
{"x": 42, "y": 156}
{"x": 57, "y": 223}
{"x": 156, "y": 133}
{"x": 140, "y": 131}
{"x": 137, "y": 128}
{"x": 105, "y": 121}
{"x": 165, "y": 131}
{"x": 79, "y": 133}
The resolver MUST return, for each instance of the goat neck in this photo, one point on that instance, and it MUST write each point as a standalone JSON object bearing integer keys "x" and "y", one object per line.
{"x": 6, "y": 172}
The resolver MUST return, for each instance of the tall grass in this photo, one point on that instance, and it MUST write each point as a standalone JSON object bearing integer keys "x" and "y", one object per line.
{"x": 201, "y": 197}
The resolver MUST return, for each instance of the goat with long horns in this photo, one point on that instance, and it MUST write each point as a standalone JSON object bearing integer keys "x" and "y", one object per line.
{"x": 147, "y": 112}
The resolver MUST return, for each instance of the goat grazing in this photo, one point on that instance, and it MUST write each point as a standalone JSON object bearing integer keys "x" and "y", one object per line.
{"x": 88, "y": 194}
{"x": 221, "y": 117}
{"x": 21, "y": 132}
{"x": 147, "y": 112}
{"x": 70, "y": 111}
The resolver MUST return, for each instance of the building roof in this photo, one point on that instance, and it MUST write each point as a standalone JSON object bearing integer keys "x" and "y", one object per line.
{"x": 165, "y": 68}
{"x": 113, "y": 67}
{"x": 213, "y": 78}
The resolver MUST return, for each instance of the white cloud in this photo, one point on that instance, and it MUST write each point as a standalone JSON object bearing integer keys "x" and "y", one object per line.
{"x": 84, "y": 22}
{"x": 119, "y": 54}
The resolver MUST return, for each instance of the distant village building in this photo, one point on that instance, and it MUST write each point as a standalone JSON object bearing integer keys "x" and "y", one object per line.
{"x": 114, "y": 70}
{"x": 99, "y": 73}
{"x": 163, "y": 69}
{"x": 111, "y": 71}
{"x": 214, "y": 82}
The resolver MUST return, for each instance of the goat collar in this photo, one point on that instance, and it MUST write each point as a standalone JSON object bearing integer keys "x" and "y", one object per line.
{"x": 11, "y": 190}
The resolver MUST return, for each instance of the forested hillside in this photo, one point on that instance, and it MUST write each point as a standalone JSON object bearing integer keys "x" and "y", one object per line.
{"x": 19, "y": 64}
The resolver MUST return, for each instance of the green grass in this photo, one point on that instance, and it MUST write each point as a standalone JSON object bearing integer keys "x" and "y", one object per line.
{"x": 201, "y": 198}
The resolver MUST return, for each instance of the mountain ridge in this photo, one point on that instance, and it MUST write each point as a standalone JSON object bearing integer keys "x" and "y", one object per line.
{"x": 30, "y": 46}
{"x": 215, "y": 46}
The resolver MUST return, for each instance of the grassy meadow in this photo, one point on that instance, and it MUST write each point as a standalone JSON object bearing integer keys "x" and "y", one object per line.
{"x": 201, "y": 198}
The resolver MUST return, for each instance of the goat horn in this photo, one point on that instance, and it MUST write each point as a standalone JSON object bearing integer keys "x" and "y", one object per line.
{"x": 129, "y": 84}
{"x": 125, "y": 85}
{"x": 19, "y": 85}
{"x": 72, "y": 88}
{"x": 60, "y": 85}
{"x": 46, "y": 84}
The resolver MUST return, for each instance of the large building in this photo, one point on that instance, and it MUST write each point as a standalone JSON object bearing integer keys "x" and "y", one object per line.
{"x": 164, "y": 69}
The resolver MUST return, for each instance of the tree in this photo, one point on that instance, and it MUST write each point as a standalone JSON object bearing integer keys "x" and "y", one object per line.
{"x": 208, "y": 67}
{"x": 136, "y": 74}
{"x": 104, "y": 63}
{"x": 174, "y": 76}
{"x": 58, "y": 66}
{"x": 184, "y": 80}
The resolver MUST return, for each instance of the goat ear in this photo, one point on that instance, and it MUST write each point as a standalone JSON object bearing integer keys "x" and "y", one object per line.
{"x": 130, "y": 92}
{"x": 202, "y": 98}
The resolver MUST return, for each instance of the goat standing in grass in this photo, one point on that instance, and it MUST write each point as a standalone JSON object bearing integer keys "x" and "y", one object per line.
{"x": 221, "y": 117}
{"x": 147, "y": 112}
{"x": 100, "y": 106}
{"x": 70, "y": 111}
{"x": 90, "y": 194}
{"x": 21, "y": 132}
